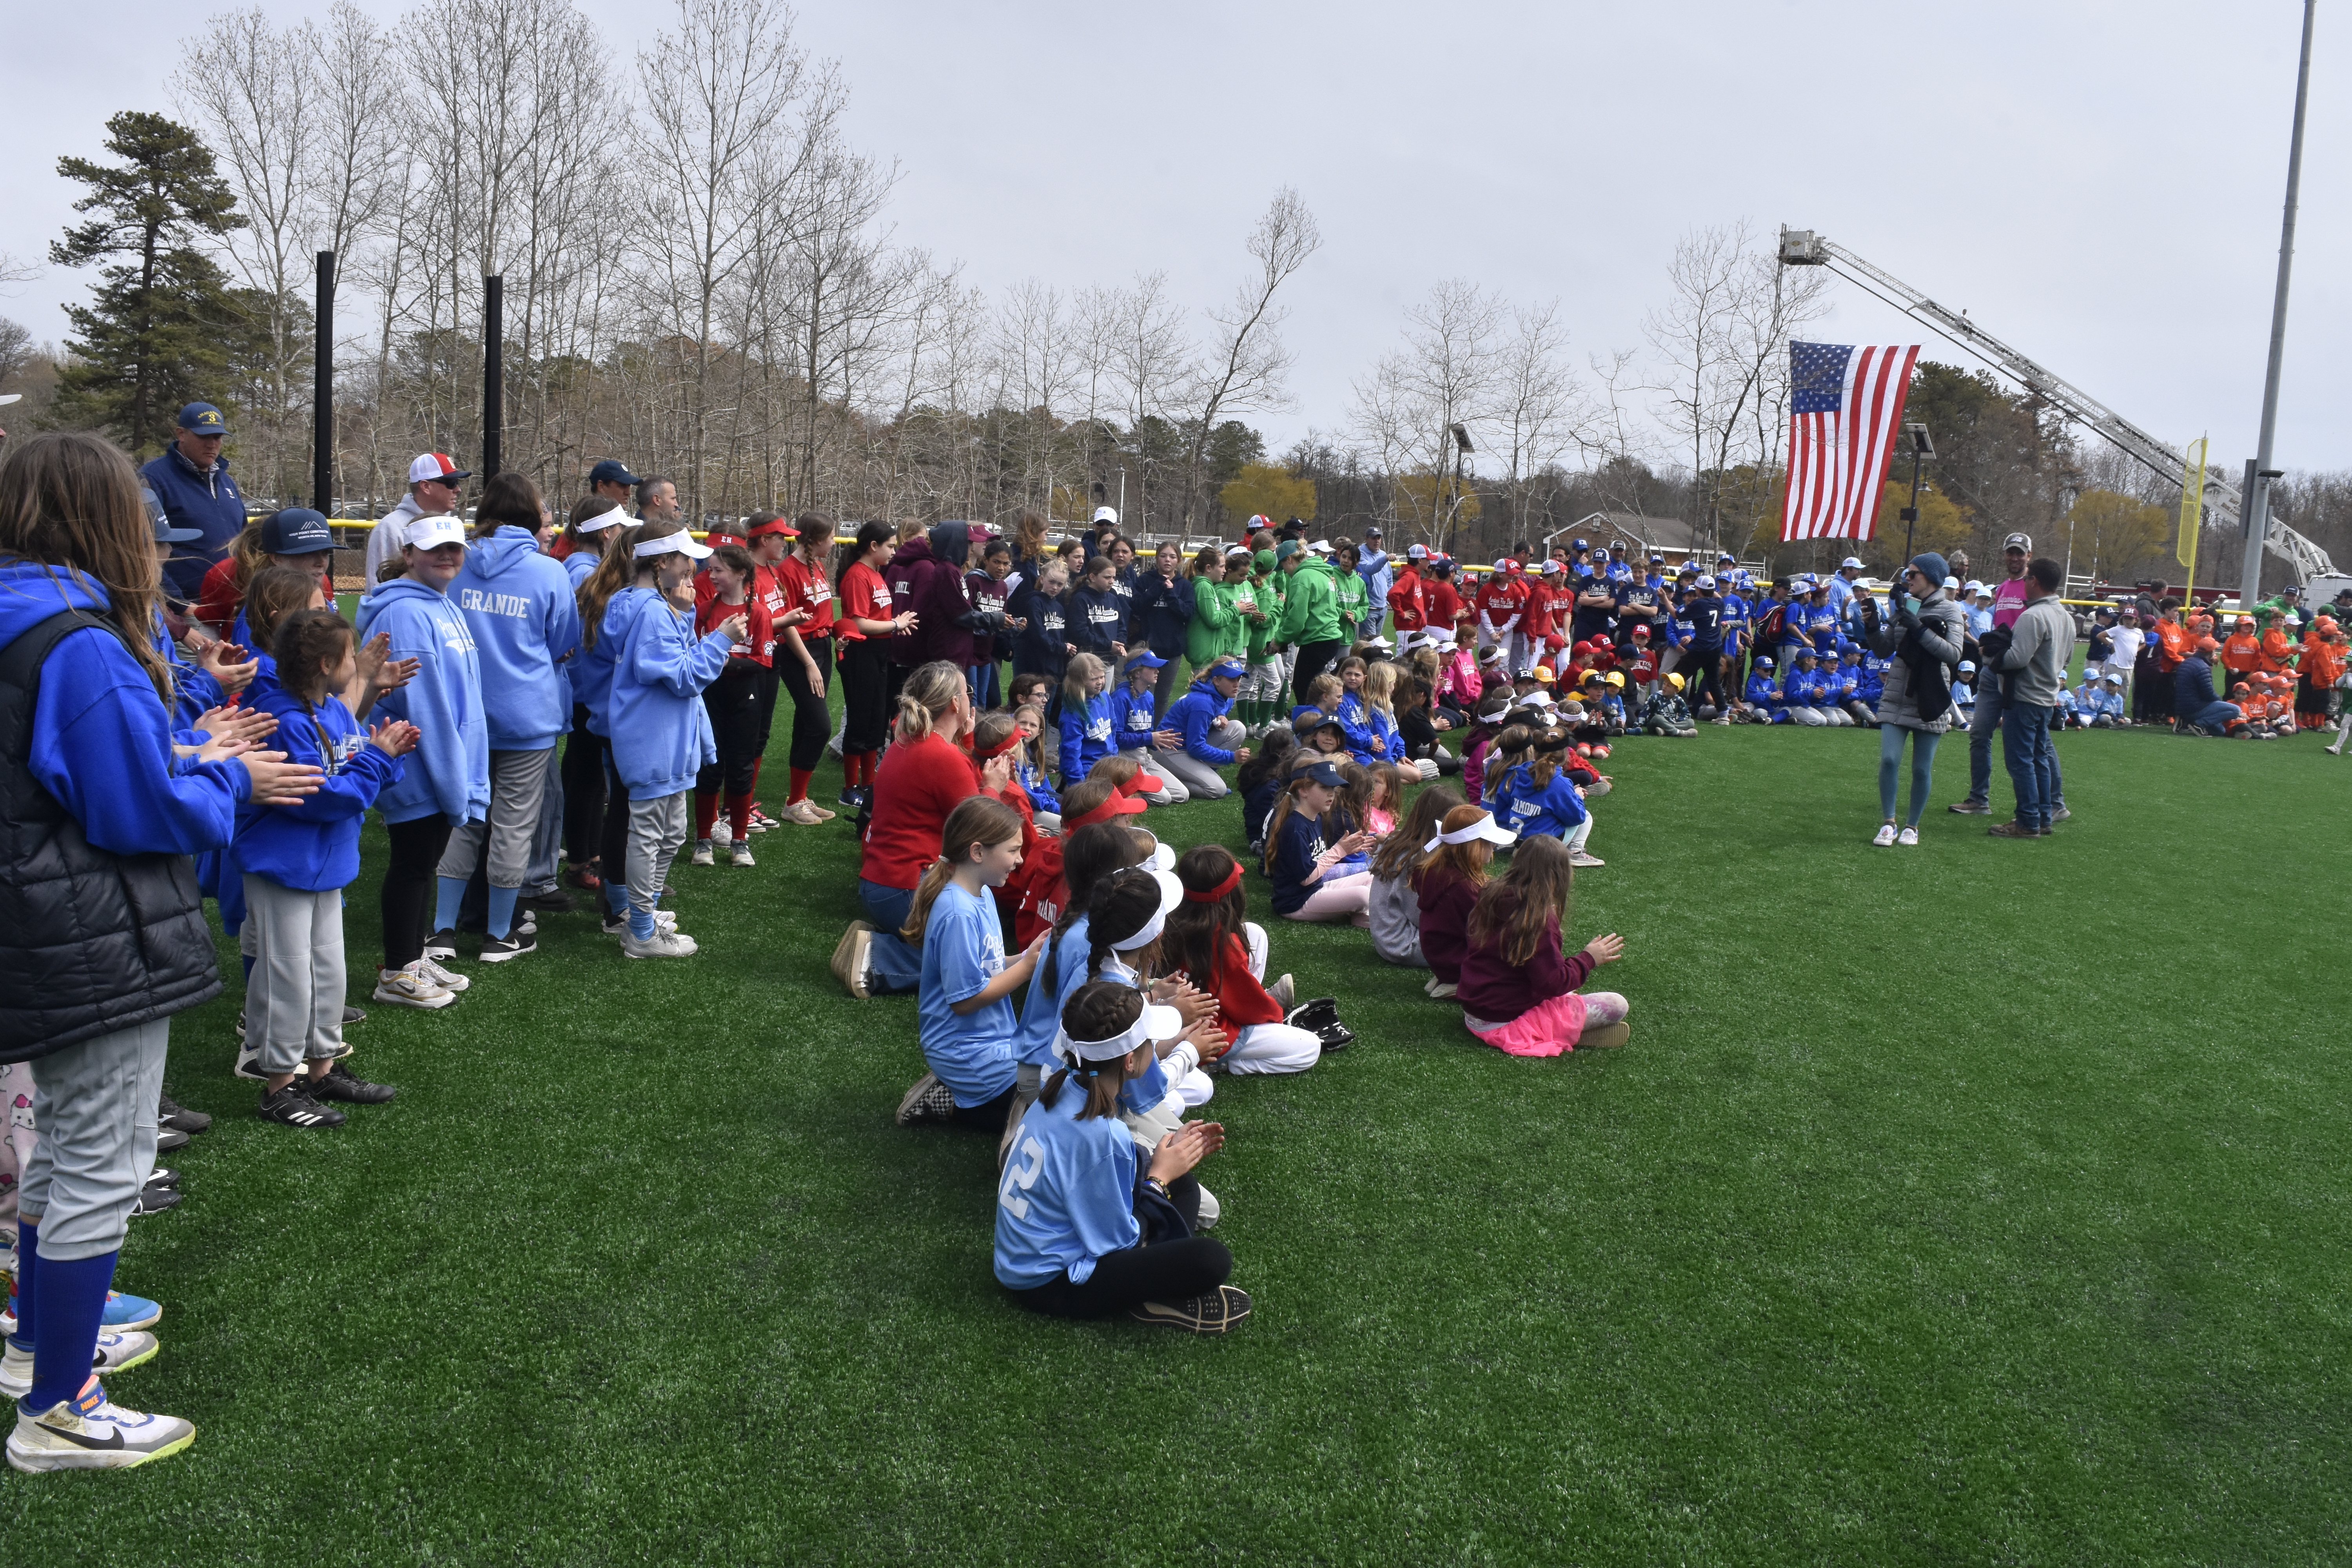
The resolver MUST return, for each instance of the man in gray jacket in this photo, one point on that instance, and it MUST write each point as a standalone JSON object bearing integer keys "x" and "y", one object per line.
{"x": 2032, "y": 667}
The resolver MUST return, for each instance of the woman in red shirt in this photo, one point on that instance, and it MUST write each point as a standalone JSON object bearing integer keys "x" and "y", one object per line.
{"x": 865, "y": 620}
{"x": 804, "y": 659}
{"x": 928, "y": 774}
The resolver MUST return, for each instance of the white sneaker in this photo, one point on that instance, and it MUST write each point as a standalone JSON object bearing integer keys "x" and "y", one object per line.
{"x": 410, "y": 987}
{"x": 701, "y": 855}
{"x": 92, "y": 1433}
{"x": 1908, "y": 839}
{"x": 117, "y": 1351}
{"x": 1885, "y": 836}
{"x": 661, "y": 944}
{"x": 449, "y": 980}
{"x": 742, "y": 856}
{"x": 1581, "y": 860}
{"x": 721, "y": 836}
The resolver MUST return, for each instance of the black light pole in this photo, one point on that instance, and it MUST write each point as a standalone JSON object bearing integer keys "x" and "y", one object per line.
{"x": 1461, "y": 447}
{"x": 1921, "y": 451}
{"x": 493, "y": 371}
{"x": 322, "y": 392}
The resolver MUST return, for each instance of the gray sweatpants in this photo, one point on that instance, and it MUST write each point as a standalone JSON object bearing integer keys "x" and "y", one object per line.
{"x": 547, "y": 843}
{"x": 95, "y": 1104}
{"x": 294, "y": 1000}
{"x": 517, "y": 781}
{"x": 656, "y": 830}
{"x": 1200, "y": 781}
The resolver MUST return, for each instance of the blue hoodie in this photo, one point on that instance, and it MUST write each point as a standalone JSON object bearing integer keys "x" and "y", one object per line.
{"x": 314, "y": 845}
{"x": 449, "y": 772}
{"x": 1192, "y": 716}
{"x": 101, "y": 741}
{"x": 1549, "y": 812}
{"x": 193, "y": 691}
{"x": 518, "y": 606}
{"x": 1355, "y": 722}
{"x": 660, "y": 731}
{"x": 1764, "y": 693}
{"x": 580, "y": 566}
{"x": 1085, "y": 737}
{"x": 1131, "y": 719}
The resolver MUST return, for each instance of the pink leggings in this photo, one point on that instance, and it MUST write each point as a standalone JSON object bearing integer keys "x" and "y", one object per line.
{"x": 1554, "y": 1026}
{"x": 1338, "y": 898}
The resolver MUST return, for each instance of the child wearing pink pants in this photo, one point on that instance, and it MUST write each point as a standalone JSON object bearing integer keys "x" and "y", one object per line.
{"x": 1519, "y": 987}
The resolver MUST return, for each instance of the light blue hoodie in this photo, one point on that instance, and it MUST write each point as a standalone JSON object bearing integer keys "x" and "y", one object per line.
{"x": 518, "y": 606}
{"x": 660, "y": 731}
{"x": 101, "y": 741}
{"x": 449, "y": 772}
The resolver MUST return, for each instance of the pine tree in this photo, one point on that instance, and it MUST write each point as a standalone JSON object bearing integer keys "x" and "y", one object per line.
{"x": 158, "y": 333}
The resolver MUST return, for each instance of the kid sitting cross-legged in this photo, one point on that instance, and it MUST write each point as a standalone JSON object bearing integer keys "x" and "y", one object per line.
{"x": 1517, "y": 989}
{"x": 1209, "y": 941}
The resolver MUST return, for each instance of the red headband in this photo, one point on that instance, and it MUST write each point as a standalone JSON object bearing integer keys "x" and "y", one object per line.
{"x": 1011, "y": 739}
{"x": 1232, "y": 879}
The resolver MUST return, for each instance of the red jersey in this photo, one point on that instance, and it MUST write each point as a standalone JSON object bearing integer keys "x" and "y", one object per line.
{"x": 864, "y": 596}
{"x": 1501, "y": 599}
{"x": 1406, "y": 602}
{"x": 759, "y": 648}
{"x": 1642, "y": 668}
{"x": 219, "y": 597}
{"x": 805, "y": 588}
{"x": 1442, "y": 602}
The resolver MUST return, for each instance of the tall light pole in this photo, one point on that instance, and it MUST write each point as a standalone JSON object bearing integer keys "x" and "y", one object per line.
{"x": 2256, "y": 511}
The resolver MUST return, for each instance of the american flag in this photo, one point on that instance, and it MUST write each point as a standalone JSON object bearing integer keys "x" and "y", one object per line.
{"x": 1843, "y": 420}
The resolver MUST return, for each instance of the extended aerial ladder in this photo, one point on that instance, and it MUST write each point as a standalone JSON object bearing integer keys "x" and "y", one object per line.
{"x": 1805, "y": 248}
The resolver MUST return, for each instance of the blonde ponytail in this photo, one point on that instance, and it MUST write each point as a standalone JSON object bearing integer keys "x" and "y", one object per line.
{"x": 929, "y": 693}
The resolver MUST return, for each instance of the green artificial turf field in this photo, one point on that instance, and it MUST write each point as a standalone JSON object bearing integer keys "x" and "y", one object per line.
{"x": 1984, "y": 1202}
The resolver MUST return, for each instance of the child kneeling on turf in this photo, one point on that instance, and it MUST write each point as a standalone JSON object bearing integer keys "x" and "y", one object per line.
{"x": 1518, "y": 989}
{"x": 297, "y": 859}
{"x": 1209, "y": 941}
{"x": 968, "y": 1026}
{"x": 1082, "y": 1232}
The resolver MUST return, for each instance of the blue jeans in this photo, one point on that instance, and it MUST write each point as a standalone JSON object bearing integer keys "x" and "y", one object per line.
{"x": 980, "y": 681}
{"x": 2215, "y": 716}
{"x": 894, "y": 964}
{"x": 2032, "y": 763}
{"x": 1981, "y": 724}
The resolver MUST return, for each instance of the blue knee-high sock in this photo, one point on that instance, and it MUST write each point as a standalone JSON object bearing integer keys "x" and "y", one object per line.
{"x": 73, "y": 1304}
{"x": 246, "y": 959}
{"x": 502, "y": 909}
{"x": 453, "y": 896}
{"x": 28, "y": 1261}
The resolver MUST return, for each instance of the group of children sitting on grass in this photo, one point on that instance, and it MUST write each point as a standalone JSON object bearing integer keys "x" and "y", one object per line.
{"x": 1084, "y": 984}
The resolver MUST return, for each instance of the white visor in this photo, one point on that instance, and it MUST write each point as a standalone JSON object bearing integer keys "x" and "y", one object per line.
{"x": 601, "y": 521}
{"x": 1172, "y": 893}
{"x": 1154, "y": 1022}
{"x": 1486, "y": 828}
{"x": 678, "y": 544}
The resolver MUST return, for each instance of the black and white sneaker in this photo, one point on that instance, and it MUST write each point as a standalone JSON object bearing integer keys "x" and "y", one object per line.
{"x": 441, "y": 944}
{"x": 558, "y": 902}
{"x": 248, "y": 1062}
{"x": 154, "y": 1200}
{"x": 1214, "y": 1314}
{"x": 163, "y": 1176}
{"x": 352, "y": 1015}
{"x": 928, "y": 1100}
{"x": 168, "y": 1138}
{"x": 340, "y": 1082}
{"x": 170, "y": 1112}
{"x": 289, "y": 1107}
{"x": 499, "y": 949}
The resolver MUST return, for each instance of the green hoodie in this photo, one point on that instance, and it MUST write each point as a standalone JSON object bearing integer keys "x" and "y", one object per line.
{"x": 1214, "y": 627}
{"x": 1267, "y": 589}
{"x": 1355, "y": 599}
{"x": 1310, "y": 606}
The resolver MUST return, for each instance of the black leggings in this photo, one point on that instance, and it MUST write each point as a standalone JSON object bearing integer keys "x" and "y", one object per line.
{"x": 616, "y": 826}
{"x": 990, "y": 1116}
{"x": 1172, "y": 1271}
{"x": 812, "y": 720}
{"x": 1314, "y": 657}
{"x": 409, "y": 886}
{"x": 865, "y": 694}
{"x": 733, "y": 703}
{"x": 584, "y": 788}
{"x": 1709, "y": 663}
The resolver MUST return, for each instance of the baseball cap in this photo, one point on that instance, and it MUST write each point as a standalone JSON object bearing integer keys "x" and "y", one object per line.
{"x": 435, "y": 466}
{"x": 1537, "y": 700}
{"x": 1503, "y": 564}
{"x": 1951, "y": 584}
{"x": 1616, "y": 678}
{"x": 1549, "y": 565}
{"x": 1324, "y": 773}
{"x": 678, "y": 544}
{"x": 1372, "y": 532}
{"x": 2115, "y": 676}
{"x": 1228, "y": 666}
{"x": 1968, "y": 666}
{"x": 164, "y": 532}
{"x": 1640, "y": 631}
{"x": 1147, "y": 659}
{"x": 1727, "y": 556}
{"x": 1852, "y": 561}
{"x": 296, "y": 531}
{"x": 431, "y": 532}
{"x": 1543, "y": 672}
{"x": 1656, "y": 559}
{"x": 1763, "y": 661}
{"x": 1577, "y": 544}
{"x": 2018, "y": 542}
{"x": 203, "y": 419}
{"x": 1416, "y": 553}
{"x": 1706, "y": 580}
{"x": 1321, "y": 547}
{"x": 1110, "y": 514}
{"x": 1284, "y": 550}
{"x": 613, "y": 471}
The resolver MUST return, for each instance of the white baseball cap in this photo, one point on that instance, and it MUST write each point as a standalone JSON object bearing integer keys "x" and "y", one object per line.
{"x": 1107, "y": 514}
{"x": 1417, "y": 552}
{"x": 428, "y": 533}
{"x": 1706, "y": 580}
{"x": 1551, "y": 563}
{"x": 435, "y": 466}
{"x": 1852, "y": 561}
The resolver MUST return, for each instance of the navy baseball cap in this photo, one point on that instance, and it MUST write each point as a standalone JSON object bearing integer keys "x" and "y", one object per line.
{"x": 613, "y": 471}
{"x": 164, "y": 532}
{"x": 1324, "y": 773}
{"x": 296, "y": 531}
{"x": 203, "y": 419}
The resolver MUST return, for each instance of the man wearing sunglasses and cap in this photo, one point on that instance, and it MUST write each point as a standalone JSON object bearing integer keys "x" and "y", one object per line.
{"x": 436, "y": 486}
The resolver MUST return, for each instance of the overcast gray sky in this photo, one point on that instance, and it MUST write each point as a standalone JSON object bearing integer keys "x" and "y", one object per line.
{"x": 2099, "y": 184}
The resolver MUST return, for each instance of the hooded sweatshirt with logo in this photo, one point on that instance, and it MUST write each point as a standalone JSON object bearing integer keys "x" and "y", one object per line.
{"x": 661, "y": 731}
{"x": 449, "y": 772}
{"x": 1193, "y": 715}
{"x": 518, "y": 606}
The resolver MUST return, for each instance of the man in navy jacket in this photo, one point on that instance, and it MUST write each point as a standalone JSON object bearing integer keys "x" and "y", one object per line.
{"x": 191, "y": 478}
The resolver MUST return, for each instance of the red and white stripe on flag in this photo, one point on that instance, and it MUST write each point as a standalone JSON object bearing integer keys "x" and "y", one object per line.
{"x": 1841, "y": 439}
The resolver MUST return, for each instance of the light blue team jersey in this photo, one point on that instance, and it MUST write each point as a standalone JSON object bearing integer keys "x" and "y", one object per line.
{"x": 964, "y": 949}
{"x": 1040, "y": 1015}
{"x": 1068, "y": 1194}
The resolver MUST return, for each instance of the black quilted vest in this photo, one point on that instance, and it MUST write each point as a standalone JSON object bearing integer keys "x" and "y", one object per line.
{"x": 89, "y": 941}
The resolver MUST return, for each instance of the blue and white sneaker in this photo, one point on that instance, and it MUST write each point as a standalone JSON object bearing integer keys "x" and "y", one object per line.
{"x": 92, "y": 1433}
{"x": 116, "y": 1352}
{"x": 122, "y": 1312}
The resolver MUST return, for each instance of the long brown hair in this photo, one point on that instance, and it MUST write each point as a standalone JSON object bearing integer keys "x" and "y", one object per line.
{"x": 1468, "y": 861}
{"x": 1089, "y": 855}
{"x": 277, "y": 592}
{"x": 590, "y": 509}
{"x": 1513, "y": 910}
{"x": 1098, "y": 1010}
{"x": 72, "y": 502}
{"x": 1194, "y": 938}
{"x": 614, "y": 571}
{"x": 1400, "y": 854}
{"x": 508, "y": 501}
{"x": 977, "y": 819}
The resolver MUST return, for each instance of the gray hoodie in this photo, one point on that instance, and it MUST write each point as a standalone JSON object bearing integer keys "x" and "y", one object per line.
{"x": 2042, "y": 638}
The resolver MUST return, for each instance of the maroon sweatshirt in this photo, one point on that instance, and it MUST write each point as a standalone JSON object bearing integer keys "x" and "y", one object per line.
{"x": 1447, "y": 898}
{"x": 1497, "y": 991}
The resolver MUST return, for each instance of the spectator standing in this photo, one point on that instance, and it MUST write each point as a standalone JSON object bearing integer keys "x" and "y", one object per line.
{"x": 1374, "y": 565}
{"x": 1922, "y": 647}
{"x": 192, "y": 480}
{"x": 1160, "y": 616}
{"x": 2010, "y": 598}
{"x": 2027, "y": 668}
{"x": 1310, "y": 616}
{"x": 436, "y": 486}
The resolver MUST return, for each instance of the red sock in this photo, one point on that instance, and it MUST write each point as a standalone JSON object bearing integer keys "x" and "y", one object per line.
{"x": 739, "y": 808}
{"x": 860, "y": 768}
{"x": 706, "y": 812}
{"x": 800, "y": 787}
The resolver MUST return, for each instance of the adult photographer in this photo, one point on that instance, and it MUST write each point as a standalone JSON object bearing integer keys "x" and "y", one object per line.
{"x": 2027, "y": 659}
{"x": 1923, "y": 630}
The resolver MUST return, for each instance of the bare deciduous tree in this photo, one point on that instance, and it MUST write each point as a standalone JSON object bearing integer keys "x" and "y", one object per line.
{"x": 1247, "y": 361}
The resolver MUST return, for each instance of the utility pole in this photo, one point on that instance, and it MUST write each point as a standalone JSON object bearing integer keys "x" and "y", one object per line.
{"x": 2256, "y": 511}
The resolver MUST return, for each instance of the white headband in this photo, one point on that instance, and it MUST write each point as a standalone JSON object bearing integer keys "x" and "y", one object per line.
{"x": 1154, "y": 1022}
{"x": 601, "y": 521}
{"x": 1486, "y": 828}
{"x": 1172, "y": 893}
